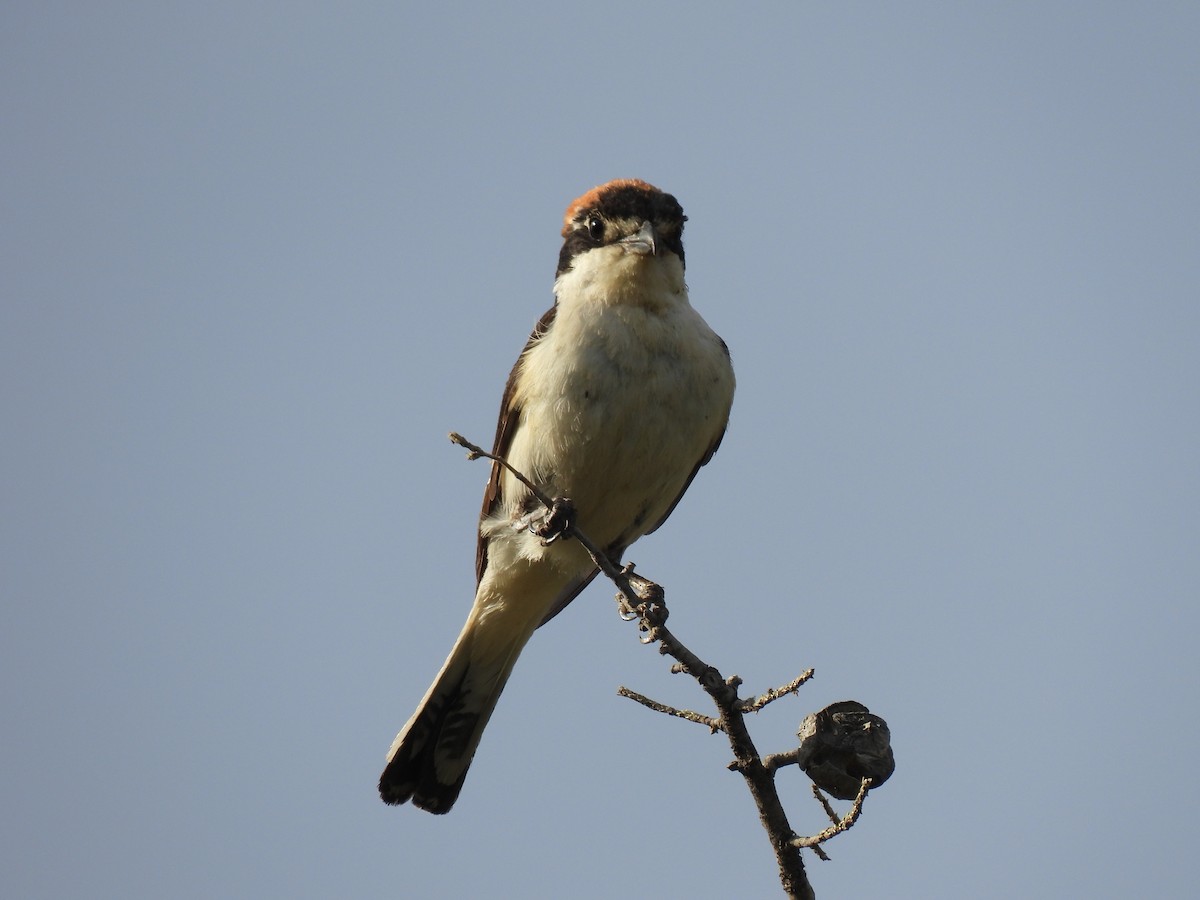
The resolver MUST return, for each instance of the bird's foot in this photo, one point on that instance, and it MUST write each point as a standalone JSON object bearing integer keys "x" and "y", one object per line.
{"x": 648, "y": 603}
{"x": 558, "y": 522}
{"x": 647, "y": 591}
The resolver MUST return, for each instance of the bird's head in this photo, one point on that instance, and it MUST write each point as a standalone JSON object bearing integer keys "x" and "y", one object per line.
{"x": 626, "y": 233}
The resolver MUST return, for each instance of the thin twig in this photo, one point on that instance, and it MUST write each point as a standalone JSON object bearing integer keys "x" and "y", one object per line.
{"x": 824, "y": 801}
{"x": 712, "y": 724}
{"x": 839, "y": 825}
{"x": 775, "y": 693}
{"x": 599, "y": 557}
{"x": 474, "y": 452}
{"x": 775, "y": 761}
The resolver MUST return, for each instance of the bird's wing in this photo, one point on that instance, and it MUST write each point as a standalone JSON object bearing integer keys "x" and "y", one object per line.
{"x": 506, "y": 426}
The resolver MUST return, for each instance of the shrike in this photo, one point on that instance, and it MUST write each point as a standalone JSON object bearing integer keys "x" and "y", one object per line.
{"x": 621, "y": 394}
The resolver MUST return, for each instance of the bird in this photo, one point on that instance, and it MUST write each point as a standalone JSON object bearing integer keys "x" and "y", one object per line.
{"x": 621, "y": 394}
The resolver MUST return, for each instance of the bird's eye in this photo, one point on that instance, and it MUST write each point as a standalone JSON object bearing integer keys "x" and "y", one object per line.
{"x": 595, "y": 227}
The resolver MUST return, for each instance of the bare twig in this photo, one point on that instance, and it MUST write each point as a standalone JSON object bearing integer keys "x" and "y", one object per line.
{"x": 776, "y": 761}
{"x": 845, "y": 823}
{"x": 824, "y": 801}
{"x": 712, "y": 724}
{"x": 618, "y": 575}
{"x": 746, "y": 759}
{"x": 775, "y": 693}
{"x": 474, "y": 452}
{"x": 642, "y": 600}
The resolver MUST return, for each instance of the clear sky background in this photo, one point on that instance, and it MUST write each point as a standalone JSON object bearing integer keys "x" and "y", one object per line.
{"x": 258, "y": 258}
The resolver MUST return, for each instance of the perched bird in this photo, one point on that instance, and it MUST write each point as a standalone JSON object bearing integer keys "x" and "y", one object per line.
{"x": 621, "y": 394}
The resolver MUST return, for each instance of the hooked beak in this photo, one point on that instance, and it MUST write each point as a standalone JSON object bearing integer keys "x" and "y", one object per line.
{"x": 643, "y": 243}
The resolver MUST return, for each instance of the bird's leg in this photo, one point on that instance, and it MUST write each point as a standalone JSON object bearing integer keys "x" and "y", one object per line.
{"x": 648, "y": 602}
{"x": 558, "y": 522}
{"x": 647, "y": 591}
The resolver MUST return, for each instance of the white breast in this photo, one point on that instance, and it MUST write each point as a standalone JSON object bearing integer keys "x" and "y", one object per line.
{"x": 619, "y": 402}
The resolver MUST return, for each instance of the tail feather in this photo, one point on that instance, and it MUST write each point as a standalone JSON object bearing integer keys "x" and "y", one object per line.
{"x": 430, "y": 757}
{"x": 411, "y": 772}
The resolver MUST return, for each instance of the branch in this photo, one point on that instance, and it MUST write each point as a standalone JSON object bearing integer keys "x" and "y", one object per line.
{"x": 712, "y": 724}
{"x": 642, "y": 600}
{"x": 599, "y": 557}
{"x": 777, "y": 761}
{"x": 775, "y": 693}
{"x": 839, "y": 825}
{"x": 474, "y": 452}
{"x": 759, "y": 780}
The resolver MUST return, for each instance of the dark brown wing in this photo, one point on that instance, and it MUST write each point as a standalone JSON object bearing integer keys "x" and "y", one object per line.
{"x": 505, "y": 427}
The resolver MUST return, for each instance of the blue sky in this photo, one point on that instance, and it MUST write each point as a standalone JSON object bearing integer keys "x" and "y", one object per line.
{"x": 257, "y": 260}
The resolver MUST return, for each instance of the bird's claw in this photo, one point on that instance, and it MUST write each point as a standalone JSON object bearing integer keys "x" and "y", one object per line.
{"x": 647, "y": 604}
{"x": 558, "y": 522}
{"x": 647, "y": 591}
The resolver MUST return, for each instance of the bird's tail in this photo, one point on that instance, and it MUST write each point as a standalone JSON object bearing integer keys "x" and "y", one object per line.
{"x": 429, "y": 759}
